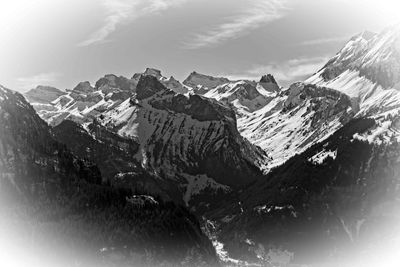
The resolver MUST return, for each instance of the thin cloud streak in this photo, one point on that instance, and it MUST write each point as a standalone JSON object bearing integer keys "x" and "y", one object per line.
{"x": 285, "y": 72}
{"x": 260, "y": 13}
{"x": 120, "y": 12}
{"x": 46, "y": 78}
{"x": 324, "y": 41}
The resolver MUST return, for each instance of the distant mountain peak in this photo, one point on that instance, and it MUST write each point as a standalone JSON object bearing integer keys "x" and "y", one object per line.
{"x": 201, "y": 83}
{"x": 367, "y": 70}
{"x": 83, "y": 87}
{"x": 147, "y": 86}
{"x": 269, "y": 78}
{"x": 365, "y": 35}
{"x": 43, "y": 94}
{"x": 154, "y": 72}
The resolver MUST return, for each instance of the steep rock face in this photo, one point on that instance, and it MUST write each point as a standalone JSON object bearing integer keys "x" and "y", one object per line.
{"x": 269, "y": 83}
{"x": 334, "y": 203}
{"x": 83, "y": 88}
{"x": 189, "y": 139}
{"x": 175, "y": 85}
{"x": 202, "y": 83}
{"x": 148, "y": 86}
{"x": 268, "y": 79}
{"x": 367, "y": 70}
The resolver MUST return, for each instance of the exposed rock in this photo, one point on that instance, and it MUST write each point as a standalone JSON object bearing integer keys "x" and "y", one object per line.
{"x": 268, "y": 79}
{"x": 148, "y": 85}
{"x": 83, "y": 88}
{"x": 202, "y": 83}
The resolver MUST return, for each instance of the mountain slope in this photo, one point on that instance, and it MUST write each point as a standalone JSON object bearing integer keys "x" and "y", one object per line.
{"x": 53, "y": 201}
{"x": 336, "y": 202}
{"x": 367, "y": 70}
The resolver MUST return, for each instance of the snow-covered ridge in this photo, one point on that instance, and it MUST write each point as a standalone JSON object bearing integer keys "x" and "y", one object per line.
{"x": 245, "y": 96}
{"x": 322, "y": 156}
{"x": 85, "y": 102}
{"x": 296, "y": 119}
{"x": 367, "y": 69}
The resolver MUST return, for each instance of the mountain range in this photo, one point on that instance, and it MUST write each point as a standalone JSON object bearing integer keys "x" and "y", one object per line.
{"x": 268, "y": 175}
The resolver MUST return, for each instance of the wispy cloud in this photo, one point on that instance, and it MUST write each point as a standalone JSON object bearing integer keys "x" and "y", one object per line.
{"x": 285, "y": 72}
{"x": 26, "y": 83}
{"x": 259, "y": 13}
{"x": 325, "y": 41}
{"x": 120, "y": 12}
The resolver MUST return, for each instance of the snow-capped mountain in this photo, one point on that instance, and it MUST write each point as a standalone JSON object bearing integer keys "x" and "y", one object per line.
{"x": 367, "y": 69}
{"x": 283, "y": 122}
{"x": 334, "y": 193}
{"x": 362, "y": 79}
{"x": 189, "y": 139}
{"x": 84, "y": 101}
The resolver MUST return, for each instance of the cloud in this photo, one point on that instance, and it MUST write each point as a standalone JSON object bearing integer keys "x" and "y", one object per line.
{"x": 285, "y": 72}
{"x": 325, "y": 41}
{"x": 259, "y": 14}
{"x": 120, "y": 12}
{"x": 26, "y": 83}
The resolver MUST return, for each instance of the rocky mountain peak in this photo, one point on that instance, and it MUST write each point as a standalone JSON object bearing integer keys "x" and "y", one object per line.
{"x": 201, "y": 83}
{"x": 153, "y": 72}
{"x": 83, "y": 88}
{"x": 43, "y": 94}
{"x": 110, "y": 81}
{"x": 269, "y": 83}
{"x": 269, "y": 78}
{"x": 147, "y": 86}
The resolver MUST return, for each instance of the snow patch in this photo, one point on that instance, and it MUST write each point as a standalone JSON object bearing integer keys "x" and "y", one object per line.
{"x": 322, "y": 156}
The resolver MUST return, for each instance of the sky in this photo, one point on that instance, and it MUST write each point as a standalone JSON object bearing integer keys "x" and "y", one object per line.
{"x": 60, "y": 43}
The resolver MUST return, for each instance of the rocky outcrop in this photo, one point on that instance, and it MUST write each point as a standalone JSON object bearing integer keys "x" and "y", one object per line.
{"x": 268, "y": 79}
{"x": 83, "y": 88}
{"x": 148, "y": 85}
{"x": 269, "y": 83}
